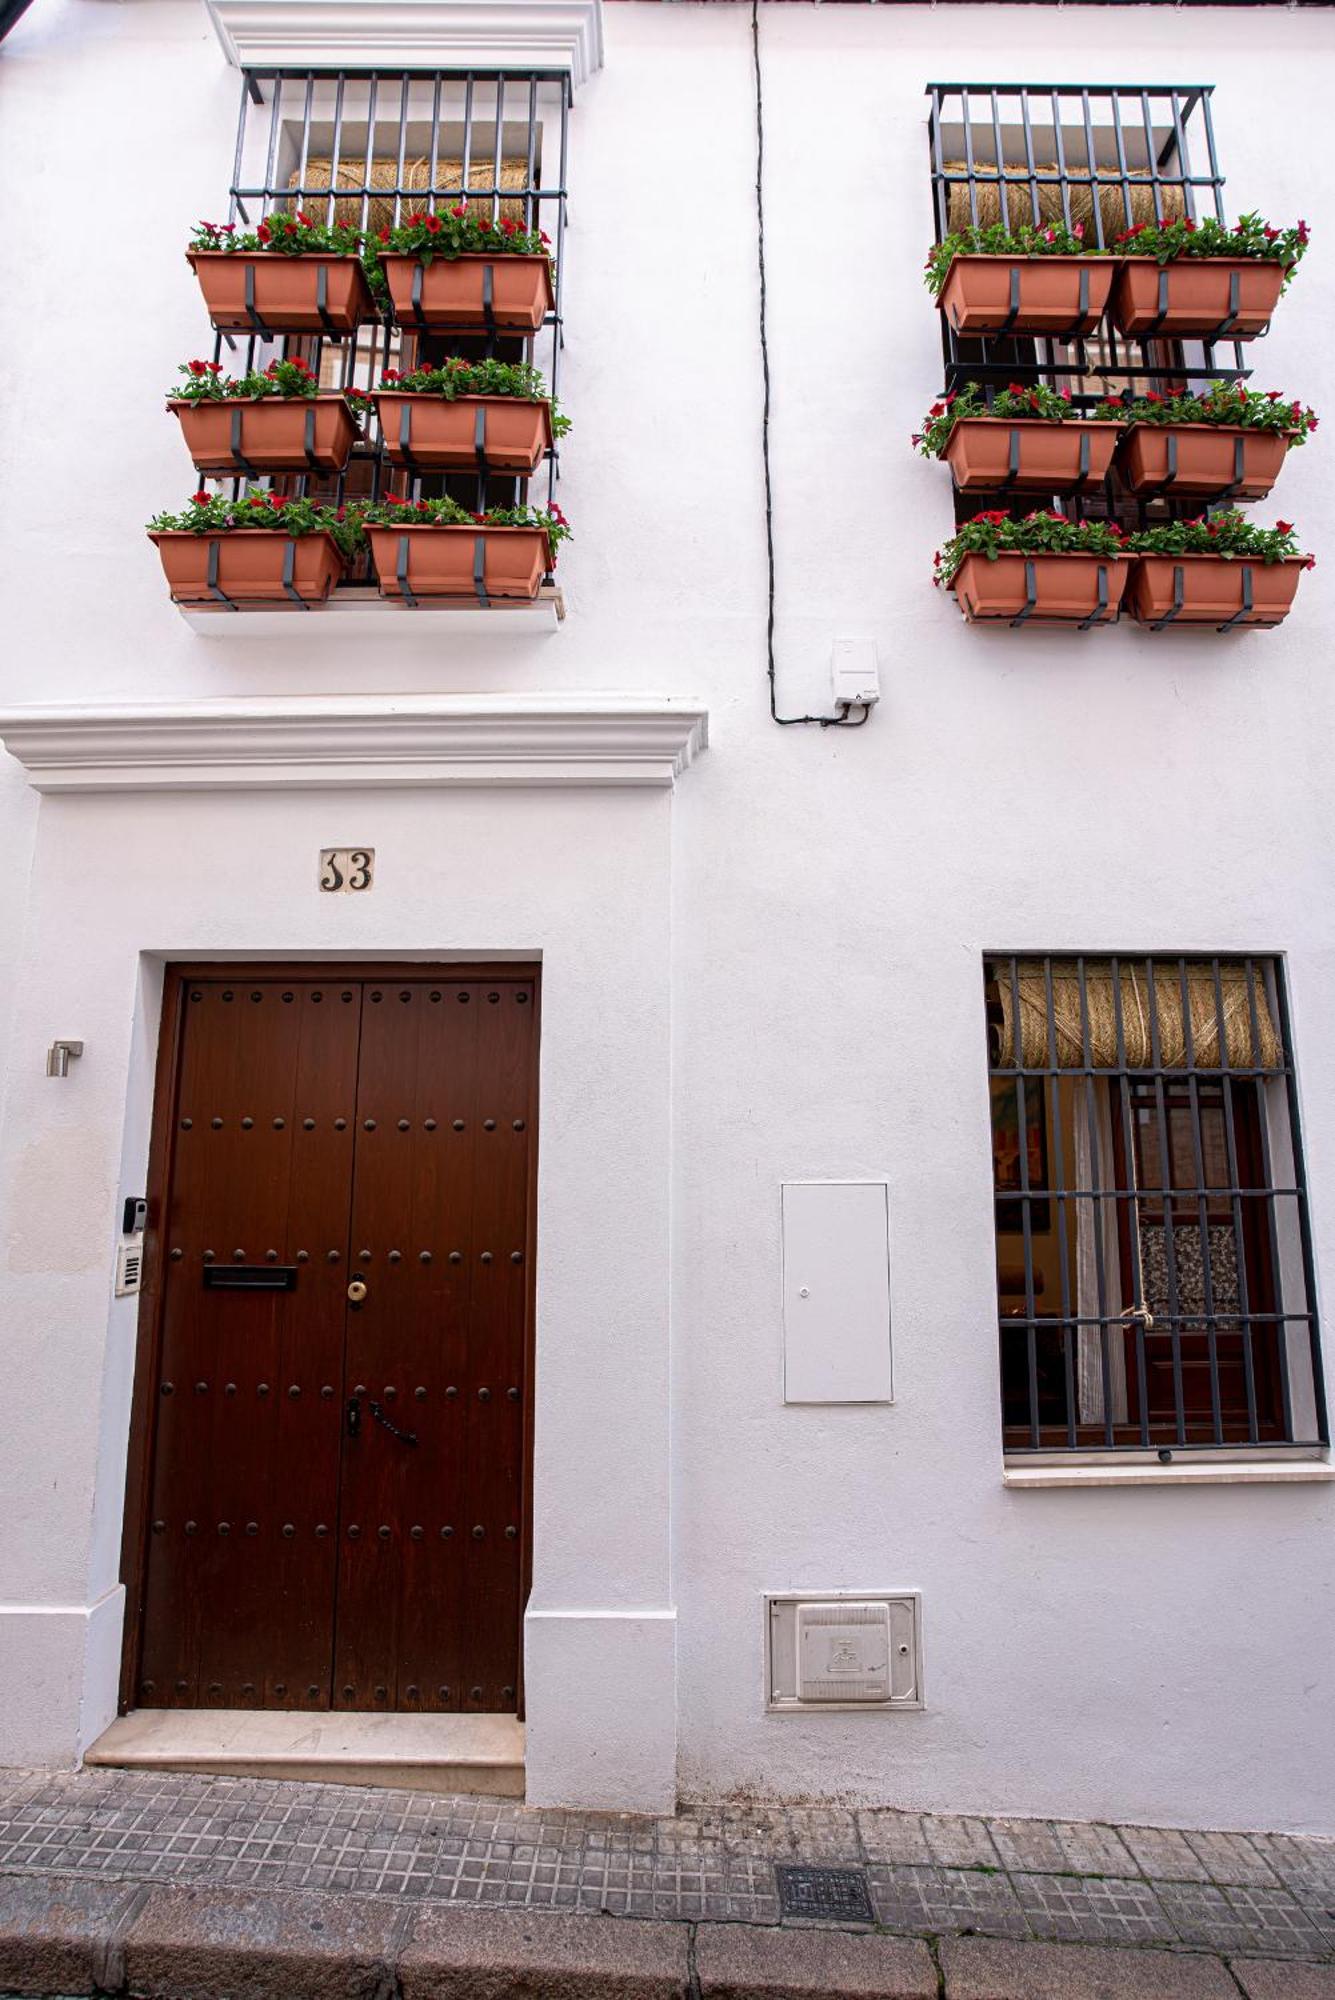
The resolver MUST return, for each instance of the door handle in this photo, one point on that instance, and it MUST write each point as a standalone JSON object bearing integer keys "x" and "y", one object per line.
{"x": 356, "y": 1291}
{"x": 354, "y": 1416}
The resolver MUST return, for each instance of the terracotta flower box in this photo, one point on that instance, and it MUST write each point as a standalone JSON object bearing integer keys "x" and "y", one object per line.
{"x": 1072, "y": 588}
{"x": 472, "y": 292}
{"x": 1212, "y": 590}
{"x": 1224, "y": 298}
{"x": 268, "y": 433}
{"x": 477, "y": 562}
{"x": 1028, "y": 455}
{"x": 268, "y": 291}
{"x": 248, "y": 566}
{"x": 443, "y": 433}
{"x": 1201, "y": 459}
{"x": 1053, "y": 295}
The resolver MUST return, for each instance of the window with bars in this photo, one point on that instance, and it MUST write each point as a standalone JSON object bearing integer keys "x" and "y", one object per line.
{"x": 1155, "y": 1284}
{"x": 368, "y": 148}
{"x": 1106, "y": 156}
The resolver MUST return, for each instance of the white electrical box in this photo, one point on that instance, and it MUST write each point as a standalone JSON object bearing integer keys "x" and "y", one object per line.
{"x": 129, "y": 1266}
{"x": 836, "y": 1292}
{"x": 843, "y": 1650}
{"x": 854, "y": 672}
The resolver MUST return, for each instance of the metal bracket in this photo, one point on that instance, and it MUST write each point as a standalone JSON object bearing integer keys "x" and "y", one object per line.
{"x": 256, "y": 323}
{"x": 211, "y": 578}
{"x": 1098, "y": 616}
{"x": 480, "y": 571}
{"x": 1161, "y": 306}
{"x": 1248, "y": 600}
{"x": 415, "y": 297}
{"x": 406, "y": 432}
{"x": 1030, "y": 594}
{"x": 480, "y": 440}
{"x": 308, "y": 440}
{"x": 401, "y": 574}
{"x": 405, "y": 1437}
{"x": 1239, "y": 444}
{"x": 1083, "y": 469}
{"x": 488, "y": 303}
{"x": 1179, "y": 598}
{"x": 322, "y": 301}
{"x": 289, "y": 574}
{"x": 238, "y": 456}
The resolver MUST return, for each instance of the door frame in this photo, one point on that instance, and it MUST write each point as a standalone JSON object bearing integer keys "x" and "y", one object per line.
{"x": 177, "y": 975}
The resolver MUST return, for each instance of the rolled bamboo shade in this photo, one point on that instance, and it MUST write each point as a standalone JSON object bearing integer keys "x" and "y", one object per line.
{"x": 1020, "y": 206}
{"x": 1244, "y": 1047}
{"x": 414, "y": 179}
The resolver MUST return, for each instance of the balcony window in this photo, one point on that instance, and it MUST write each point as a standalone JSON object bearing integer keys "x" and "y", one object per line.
{"x": 1154, "y": 1275}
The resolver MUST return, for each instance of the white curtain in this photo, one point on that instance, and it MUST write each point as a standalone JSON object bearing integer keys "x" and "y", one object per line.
{"x": 1095, "y": 1235}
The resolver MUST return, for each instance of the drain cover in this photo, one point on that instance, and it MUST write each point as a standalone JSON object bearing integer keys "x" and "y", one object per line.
{"x": 836, "y": 1894}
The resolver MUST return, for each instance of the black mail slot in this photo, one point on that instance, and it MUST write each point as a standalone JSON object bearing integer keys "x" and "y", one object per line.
{"x": 250, "y": 1277}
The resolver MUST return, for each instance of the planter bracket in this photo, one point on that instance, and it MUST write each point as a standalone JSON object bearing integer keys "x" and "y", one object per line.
{"x": 289, "y": 574}
{"x": 1179, "y": 598}
{"x": 406, "y": 432}
{"x": 257, "y": 325}
{"x": 308, "y": 439}
{"x": 211, "y": 577}
{"x": 1226, "y": 324}
{"x": 238, "y": 456}
{"x": 480, "y": 443}
{"x": 1099, "y": 615}
{"x": 480, "y": 571}
{"x": 1248, "y": 602}
{"x": 401, "y": 575}
{"x": 1030, "y": 594}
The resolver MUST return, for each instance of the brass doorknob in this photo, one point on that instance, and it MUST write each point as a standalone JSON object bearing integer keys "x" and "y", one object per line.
{"x": 356, "y": 1291}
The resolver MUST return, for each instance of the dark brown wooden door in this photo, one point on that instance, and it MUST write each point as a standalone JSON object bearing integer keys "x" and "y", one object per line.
{"x": 336, "y": 1489}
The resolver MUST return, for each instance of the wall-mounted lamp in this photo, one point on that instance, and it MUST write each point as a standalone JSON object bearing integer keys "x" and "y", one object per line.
{"x": 58, "y": 1057}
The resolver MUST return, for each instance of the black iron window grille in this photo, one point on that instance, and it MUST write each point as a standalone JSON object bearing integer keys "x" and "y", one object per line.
{"x": 1155, "y": 1283}
{"x": 368, "y": 148}
{"x": 1106, "y": 157}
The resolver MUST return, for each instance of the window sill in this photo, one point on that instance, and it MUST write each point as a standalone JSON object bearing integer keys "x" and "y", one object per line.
{"x": 1231, "y": 1472}
{"x": 353, "y": 613}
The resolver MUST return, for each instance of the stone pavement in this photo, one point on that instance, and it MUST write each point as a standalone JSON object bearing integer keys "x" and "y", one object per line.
{"x": 198, "y": 1887}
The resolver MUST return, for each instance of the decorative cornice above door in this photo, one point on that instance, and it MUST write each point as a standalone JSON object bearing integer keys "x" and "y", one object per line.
{"x": 412, "y": 34}
{"x": 437, "y": 740}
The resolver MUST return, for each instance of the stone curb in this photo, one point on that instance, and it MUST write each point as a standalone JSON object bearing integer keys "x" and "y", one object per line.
{"x": 67, "y": 1935}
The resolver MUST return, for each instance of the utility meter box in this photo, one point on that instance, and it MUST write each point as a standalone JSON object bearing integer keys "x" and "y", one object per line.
{"x": 842, "y": 1649}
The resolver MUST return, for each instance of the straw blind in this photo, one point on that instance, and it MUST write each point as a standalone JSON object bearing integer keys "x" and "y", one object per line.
{"x": 1248, "y": 1044}
{"x": 415, "y": 178}
{"x": 1020, "y": 191}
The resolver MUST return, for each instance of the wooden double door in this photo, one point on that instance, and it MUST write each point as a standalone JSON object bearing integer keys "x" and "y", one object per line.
{"x": 328, "y": 1501}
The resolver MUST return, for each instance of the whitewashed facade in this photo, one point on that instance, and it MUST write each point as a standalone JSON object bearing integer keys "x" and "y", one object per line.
{"x": 761, "y": 947}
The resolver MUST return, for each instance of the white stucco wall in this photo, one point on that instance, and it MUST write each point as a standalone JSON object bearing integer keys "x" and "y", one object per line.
{"x": 814, "y": 944}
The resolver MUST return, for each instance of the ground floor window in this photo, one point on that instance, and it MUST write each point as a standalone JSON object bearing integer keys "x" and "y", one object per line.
{"x": 1154, "y": 1275}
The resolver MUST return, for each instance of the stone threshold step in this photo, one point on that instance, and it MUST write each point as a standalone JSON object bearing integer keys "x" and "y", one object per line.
{"x": 482, "y": 1754}
{"x": 67, "y": 1935}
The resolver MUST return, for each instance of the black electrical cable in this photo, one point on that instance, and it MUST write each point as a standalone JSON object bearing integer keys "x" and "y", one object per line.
{"x": 843, "y": 719}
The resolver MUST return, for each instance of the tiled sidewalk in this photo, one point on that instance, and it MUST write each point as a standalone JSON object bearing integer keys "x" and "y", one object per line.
{"x": 1265, "y": 1895}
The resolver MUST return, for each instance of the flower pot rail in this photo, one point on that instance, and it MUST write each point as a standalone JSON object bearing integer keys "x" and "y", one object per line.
{"x": 287, "y": 579}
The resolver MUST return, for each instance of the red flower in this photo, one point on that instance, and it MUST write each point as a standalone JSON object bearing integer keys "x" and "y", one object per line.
{"x": 1304, "y": 233}
{"x": 1269, "y": 233}
{"x": 199, "y": 367}
{"x": 422, "y": 506}
{"x": 202, "y": 499}
{"x": 1150, "y": 397}
{"x": 255, "y": 499}
{"x": 304, "y": 218}
{"x": 215, "y": 367}
{"x": 509, "y": 226}
{"x": 224, "y": 228}
{"x": 545, "y": 238}
{"x": 433, "y": 224}
{"x": 417, "y": 216}
{"x": 1283, "y": 527}
{"x": 481, "y": 519}
{"x": 1312, "y": 423}
{"x": 1272, "y": 395}
{"x": 937, "y": 410}
{"x": 279, "y": 499}
{"x": 459, "y": 209}
{"x": 391, "y": 375}
{"x": 264, "y": 232}
{"x": 1189, "y": 225}
{"x": 383, "y": 234}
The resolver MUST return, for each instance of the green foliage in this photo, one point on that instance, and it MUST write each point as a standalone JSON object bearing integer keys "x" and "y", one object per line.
{"x": 396, "y": 510}
{"x": 288, "y": 380}
{"x": 295, "y": 235}
{"x": 994, "y": 533}
{"x": 457, "y": 377}
{"x": 1223, "y": 403}
{"x": 1033, "y": 400}
{"x": 456, "y": 232}
{"x": 282, "y": 513}
{"x": 1229, "y": 534}
{"x": 1249, "y": 236}
{"x": 1048, "y": 239}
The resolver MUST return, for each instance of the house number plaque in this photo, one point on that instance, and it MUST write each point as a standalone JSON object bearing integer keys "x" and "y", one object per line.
{"x": 346, "y": 871}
